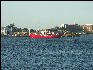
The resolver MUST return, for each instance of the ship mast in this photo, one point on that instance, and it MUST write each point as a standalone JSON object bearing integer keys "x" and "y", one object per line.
{"x": 29, "y": 31}
{"x": 39, "y": 29}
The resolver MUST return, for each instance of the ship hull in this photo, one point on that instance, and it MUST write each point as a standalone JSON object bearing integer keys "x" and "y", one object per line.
{"x": 44, "y": 36}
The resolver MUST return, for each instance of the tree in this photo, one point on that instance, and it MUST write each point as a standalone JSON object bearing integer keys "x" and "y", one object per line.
{"x": 57, "y": 28}
{"x": 19, "y": 29}
{"x": 25, "y": 29}
{"x": 62, "y": 28}
{"x": 11, "y": 25}
{"x": 32, "y": 30}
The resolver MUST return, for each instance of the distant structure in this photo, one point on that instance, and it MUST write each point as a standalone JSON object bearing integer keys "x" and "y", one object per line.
{"x": 3, "y": 31}
{"x": 72, "y": 27}
{"x": 88, "y": 24}
{"x": 88, "y": 27}
{"x": 64, "y": 25}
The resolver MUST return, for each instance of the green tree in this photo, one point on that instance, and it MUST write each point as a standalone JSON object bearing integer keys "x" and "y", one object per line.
{"x": 32, "y": 30}
{"x": 11, "y": 25}
{"x": 19, "y": 29}
{"x": 25, "y": 29}
{"x": 62, "y": 28}
{"x": 57, "y": 28}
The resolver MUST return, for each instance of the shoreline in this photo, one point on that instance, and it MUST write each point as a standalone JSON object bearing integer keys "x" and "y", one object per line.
{"x": 15, "y": 36}
{"x": 29, "y": 36}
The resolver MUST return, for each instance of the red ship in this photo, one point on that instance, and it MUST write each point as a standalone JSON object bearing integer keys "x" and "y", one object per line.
{"x": 44, "y": 36}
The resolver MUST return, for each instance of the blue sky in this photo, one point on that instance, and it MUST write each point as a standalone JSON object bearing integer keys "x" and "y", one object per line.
{"x": 46, "y": 14}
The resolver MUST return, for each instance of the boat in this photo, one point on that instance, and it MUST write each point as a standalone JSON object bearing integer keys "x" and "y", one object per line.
{"x": 44, "y": 36}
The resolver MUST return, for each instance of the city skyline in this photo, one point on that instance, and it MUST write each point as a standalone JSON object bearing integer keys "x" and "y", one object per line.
{"x": 46, "y": 14}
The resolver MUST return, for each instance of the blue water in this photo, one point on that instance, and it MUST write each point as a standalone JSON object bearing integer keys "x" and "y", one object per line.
{"x": 68, "y": 53}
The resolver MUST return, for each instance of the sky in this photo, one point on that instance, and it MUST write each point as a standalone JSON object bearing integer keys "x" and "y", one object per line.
{"x": 46, "y": 14}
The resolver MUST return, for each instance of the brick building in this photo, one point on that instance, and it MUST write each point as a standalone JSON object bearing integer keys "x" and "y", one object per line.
{"x": 88, "y": 27}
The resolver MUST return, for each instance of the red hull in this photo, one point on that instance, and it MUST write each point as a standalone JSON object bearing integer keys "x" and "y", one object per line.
{"x": 44, "y": 36}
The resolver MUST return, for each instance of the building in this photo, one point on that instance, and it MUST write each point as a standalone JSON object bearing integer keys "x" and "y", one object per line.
{"x": 64, "y": 25}
{"x": 73, "y": 27}
{"x": 9, "y": 31}
{"x": 20, "y": 33}
{"x": 3, "y": 31}
{"x": 88, "y": 27}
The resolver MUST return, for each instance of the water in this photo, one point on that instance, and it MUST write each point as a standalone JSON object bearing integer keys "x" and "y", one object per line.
{"x": 25, "y": 53}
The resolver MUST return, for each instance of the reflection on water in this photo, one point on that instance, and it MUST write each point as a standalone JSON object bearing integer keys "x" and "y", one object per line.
{"x": 25, "y": 53}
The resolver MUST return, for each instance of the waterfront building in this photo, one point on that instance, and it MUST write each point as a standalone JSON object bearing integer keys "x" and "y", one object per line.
{"x": 20, "y": 33}
{"x": 64, "y": 25}
{"x": 73, "y": 27}
{"x": 3, "y": 31}
{"x": 9, "y": 31}
{"x": 88, "y": 27}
